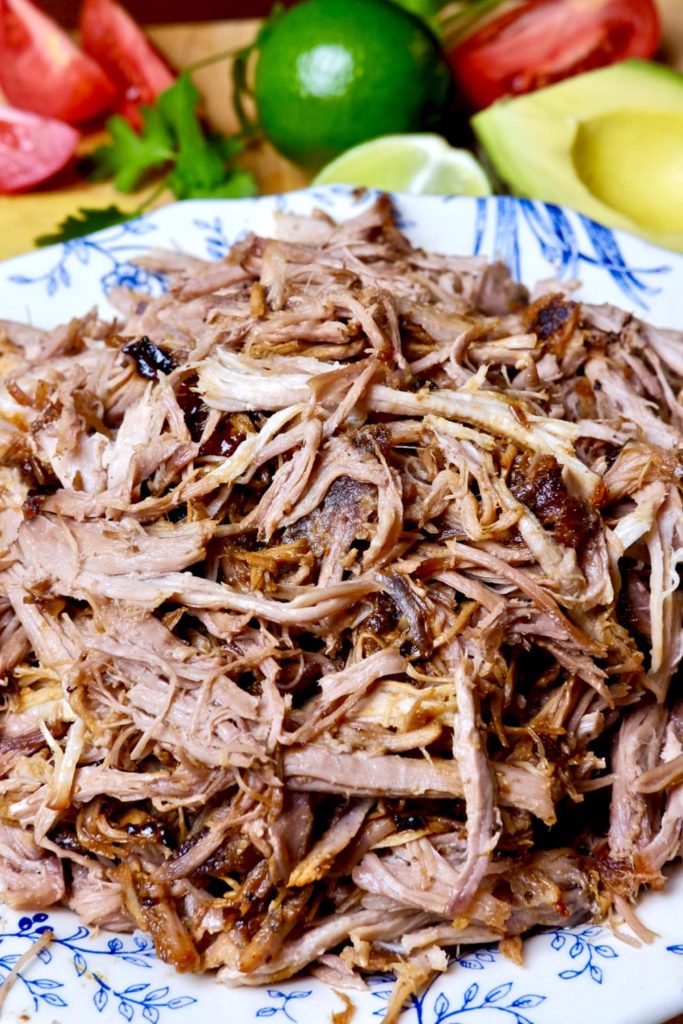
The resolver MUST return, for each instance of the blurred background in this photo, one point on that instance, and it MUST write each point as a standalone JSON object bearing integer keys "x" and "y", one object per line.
{"x": 160, "y": 12}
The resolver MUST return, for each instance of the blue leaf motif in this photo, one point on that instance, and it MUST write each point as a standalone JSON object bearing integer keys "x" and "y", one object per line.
{"x": 299, "y": 994}
{"x": 471, "y": 994}
{"x": 140, "y": 987}
{"x": 576, "y": 949}
{"x": 156, "y": 994}
{"x": 441, "y": 1006}
{"x": 526, "y": 1002}
{"x": 496, "y": 994}
{"x": 136, "y": 961}
{"x": 80, "y": 964}
{"x": 53, "y": 1000}
{"x": 44, "y": 955}
{"x": 596, "y": 973}
{"x": 80, "y": 251}
{"x": 607, "y": 952}
{"x": 274, "y": 993}
{"x": 150, "y": 1013}
{"x": 100, "y": 999}
{"x": 46, "y": 983}
{"x": 126, "y": 1010}
{"x": 678, "y": 950}
{"x": 180, "y": 1001}
{"x": 383, "y": 993}
{"x": 558, "y": 941}
{"x": 266, "y": 1011}
{"x": 115, "y": 945}
{"x": 568, "y": 975}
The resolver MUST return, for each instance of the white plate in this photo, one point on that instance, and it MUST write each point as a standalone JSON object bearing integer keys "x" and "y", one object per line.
{"x": 580, "y": 974}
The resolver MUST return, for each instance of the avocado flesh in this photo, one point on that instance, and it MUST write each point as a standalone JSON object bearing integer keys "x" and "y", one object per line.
{"x": 608, "y": 143}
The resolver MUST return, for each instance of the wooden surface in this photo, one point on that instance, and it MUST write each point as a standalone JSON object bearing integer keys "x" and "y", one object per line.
{"x": 24, "y": 217}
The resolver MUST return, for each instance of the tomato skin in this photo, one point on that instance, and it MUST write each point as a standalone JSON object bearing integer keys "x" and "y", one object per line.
{"x": 32, "y": 149}
{"x": 118, "y": 44}
{"x": 544, "y": 41}
{"x": 42, "y": 70}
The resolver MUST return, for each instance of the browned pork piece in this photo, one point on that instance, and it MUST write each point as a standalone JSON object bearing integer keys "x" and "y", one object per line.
{"x": 340, "y": 613}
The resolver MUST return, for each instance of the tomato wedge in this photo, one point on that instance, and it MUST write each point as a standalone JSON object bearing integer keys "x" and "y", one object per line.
{"x": 43, "y": 71}
{"x": 109, "y": 34}
{"x": 32, "y": 148}
{"x": 544, "y": 41}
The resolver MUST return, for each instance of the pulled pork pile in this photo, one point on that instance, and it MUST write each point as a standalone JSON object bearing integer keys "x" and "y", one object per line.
{"x": 339, "y": 614}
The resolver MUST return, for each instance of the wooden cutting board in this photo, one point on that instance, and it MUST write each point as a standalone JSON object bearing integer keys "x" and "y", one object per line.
{"x": 22, "y": 218}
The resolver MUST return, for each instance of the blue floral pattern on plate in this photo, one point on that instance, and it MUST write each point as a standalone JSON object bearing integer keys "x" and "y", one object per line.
{"x": 576, "y": 942}
{"x": 113, "y": 250}
{"x": 137, "y": 951}
{"x": 82, "y": 976}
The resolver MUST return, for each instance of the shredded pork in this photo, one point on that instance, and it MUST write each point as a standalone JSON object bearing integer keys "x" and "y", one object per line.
{"x": 340, "y": 616}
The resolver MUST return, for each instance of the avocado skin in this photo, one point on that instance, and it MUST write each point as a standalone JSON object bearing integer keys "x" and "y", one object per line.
{"x": 530, "y": 140}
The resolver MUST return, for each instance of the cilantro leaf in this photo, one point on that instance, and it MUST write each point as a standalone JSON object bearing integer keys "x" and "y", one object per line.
{"x": 130, "y": 157}
{"x": 199, "y": 168}
{"x": 236, "y": 184}
{"x": 87, "y": 220}
{"x": 172, "y": 136}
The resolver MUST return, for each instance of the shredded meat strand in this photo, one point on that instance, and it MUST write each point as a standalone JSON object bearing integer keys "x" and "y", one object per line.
{"x": 333, "y": 583}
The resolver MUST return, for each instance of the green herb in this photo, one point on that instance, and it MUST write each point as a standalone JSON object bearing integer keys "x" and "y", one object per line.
{"x": 172, "y": 139}
{"x": 85, "y": 221}
{"x": 172, "y": 142}
{"x": 130, "y": 157}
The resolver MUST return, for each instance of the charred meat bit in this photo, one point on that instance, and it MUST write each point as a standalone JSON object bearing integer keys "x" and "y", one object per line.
{"x": 553, "y": 318}
{"x": 536, "y": 481}
{"x": 149, "y": 359}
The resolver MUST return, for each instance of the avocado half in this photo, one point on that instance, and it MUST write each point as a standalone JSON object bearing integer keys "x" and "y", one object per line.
{"x": 608, "y": 143}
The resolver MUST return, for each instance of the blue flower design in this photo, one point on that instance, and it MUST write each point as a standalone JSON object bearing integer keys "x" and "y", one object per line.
{"x": 137, "y": 952}
{"x": 284, "y": 999}
{"x": 128, "y": 275}
{"x": 114, "y": 249}
{"x": 582, "y": 951}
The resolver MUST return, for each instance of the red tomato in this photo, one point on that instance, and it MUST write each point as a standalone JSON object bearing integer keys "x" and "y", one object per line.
{"x": 109, "y": 34}
{"x": 32, "y": 148}
{"x": 43, "y": 71}
{"x": 544, "y": 41}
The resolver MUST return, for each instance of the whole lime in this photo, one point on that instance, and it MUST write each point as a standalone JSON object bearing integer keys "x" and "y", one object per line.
{"x": 333, "y": 73}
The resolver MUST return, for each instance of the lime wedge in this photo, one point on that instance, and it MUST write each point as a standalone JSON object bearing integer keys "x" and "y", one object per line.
{"x": 423, "y": 164}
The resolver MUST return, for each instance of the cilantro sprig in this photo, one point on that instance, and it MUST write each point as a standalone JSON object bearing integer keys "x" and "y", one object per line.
{"x": 172, "y": 144}
{"x": 86, "y": 220}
